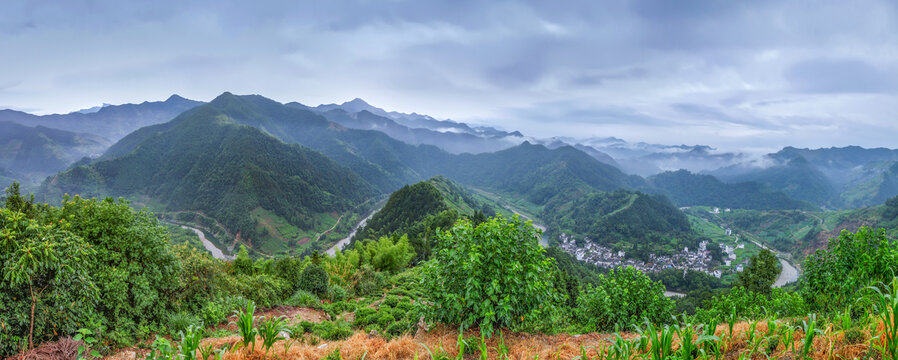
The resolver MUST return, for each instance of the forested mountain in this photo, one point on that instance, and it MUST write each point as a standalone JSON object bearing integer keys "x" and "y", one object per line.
{"x": 32, "y": 153}
{"x": 418, "y": 210}
{"x": 797, "y": 178}
{"x": 204, "y": 162}
{"x": 688, "y": 189}
{"x": 637, "y": 223}
{"x": 836, "y": 178}
{"x": 453, "y": 142}
{"x": 111, "y": 122}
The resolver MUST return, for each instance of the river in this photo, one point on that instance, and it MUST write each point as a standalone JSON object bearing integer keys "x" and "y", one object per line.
{"x": 216, "y": 252}
{"x": 788, "y": 275}
{"x": 342, "y": 243}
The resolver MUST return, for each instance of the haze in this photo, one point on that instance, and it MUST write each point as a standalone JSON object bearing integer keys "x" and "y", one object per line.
{"x": 733, "y": 75}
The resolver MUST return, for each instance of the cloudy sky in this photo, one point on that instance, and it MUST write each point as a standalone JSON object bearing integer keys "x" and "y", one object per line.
{"x": 730, "y": 74}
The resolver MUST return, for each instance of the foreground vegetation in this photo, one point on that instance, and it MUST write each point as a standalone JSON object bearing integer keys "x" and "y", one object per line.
{"x": 108, "y": 276}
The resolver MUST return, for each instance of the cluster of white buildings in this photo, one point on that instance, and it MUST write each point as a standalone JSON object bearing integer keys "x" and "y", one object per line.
{"x": 599, "y": 255}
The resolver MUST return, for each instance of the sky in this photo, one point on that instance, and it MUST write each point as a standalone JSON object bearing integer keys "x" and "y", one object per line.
{"x": 757, "y": 74}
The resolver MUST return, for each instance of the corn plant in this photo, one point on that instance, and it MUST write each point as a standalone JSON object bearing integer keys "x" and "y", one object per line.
{"x": 620, "y": 349}
{"x": 502, "y": 350}
{"x": 219, "y": 354}
{"x": 689, "y": 345}
{"x": 190, "y": 341}
{"x": 244, "y": 324}
{"x": 711, "y": 347}
{"x": 661, "y": 341}
{"x": 288, "y": 343}
{"x": 483, "y": 351}
{"x": 810, "y": 330}
{"x": 886, "y": 307}
{"x": 206, "y": 351}
{"x": 270, "y": 331}
{"x": 787, "y": 336}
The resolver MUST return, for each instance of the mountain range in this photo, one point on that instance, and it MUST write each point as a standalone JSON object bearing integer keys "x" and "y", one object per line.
{"x": 248, "y": 162}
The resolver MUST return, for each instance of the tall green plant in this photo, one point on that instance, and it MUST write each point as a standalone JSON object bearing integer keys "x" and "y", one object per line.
{"x": 245, "y": 327}
{"x": 270, "y": 330}
{"x": 886, "y": 306}
{"x": 494, "y": 275}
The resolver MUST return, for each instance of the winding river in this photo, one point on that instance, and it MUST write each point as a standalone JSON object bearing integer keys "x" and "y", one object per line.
{"x": 342, "y": 243}
{"x": 216, "y": 252}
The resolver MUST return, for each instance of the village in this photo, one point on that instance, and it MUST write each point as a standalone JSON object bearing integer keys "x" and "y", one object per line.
{"x": 697, "y": 260}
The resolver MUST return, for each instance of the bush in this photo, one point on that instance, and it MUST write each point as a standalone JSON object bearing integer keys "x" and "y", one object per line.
{"x": 368, "y": 281}
{"x": 213, "y": 313}
{"x": 387, "y": 254}
{"x": 314, "y": 280}
{"x": 180, "y": 321}
{"x": 838, "y": 275}
{"x": 398, "y": 328}
{"x": 332, "y": 330}
{"x": 623, "y": 298}
{"x": 494, "y": 275}
{"x": 391, "y": 300}
{"x": 337, "y": 293}
{"x": 304, "y": 298}
{"x": 364, "y": 316}
{"x": 384, "y": 319}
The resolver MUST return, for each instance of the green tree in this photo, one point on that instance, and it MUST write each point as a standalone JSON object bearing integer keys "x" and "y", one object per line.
{"x": 761, "y": 272}
{"x": 836, "y": 276}
{"x": 243, "y": 265}
{"x": 314, "y": 279}
{"x": 387, "y": 253}
{"x": 491, "y": 276}
{"x": 45, "y": 282}
{"x": 135, "y": 269}
{"x": 623, "y": 297}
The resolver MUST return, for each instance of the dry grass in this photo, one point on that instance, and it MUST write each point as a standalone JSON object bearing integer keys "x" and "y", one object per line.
{"x": 520, "y": 346}
{"x": 62, "y": 349}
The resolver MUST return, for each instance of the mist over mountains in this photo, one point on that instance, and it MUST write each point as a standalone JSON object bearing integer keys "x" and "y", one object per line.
{"x": 835, "y": 178}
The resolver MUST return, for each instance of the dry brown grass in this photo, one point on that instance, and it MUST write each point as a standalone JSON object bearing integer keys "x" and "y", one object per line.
{"x": 520, "y": 346}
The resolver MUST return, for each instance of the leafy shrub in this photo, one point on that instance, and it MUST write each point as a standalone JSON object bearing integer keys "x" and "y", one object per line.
{"x": 337, "y": 293}
{"x": 304, "y": 298}
{"x": 363, "y": 316}
{"x": 289, "y": 269}
{"x": 490, "y": 276}
{"x": 214, "y": 313}
{"x": 398, "y": 328}
{"x": 263, "y": 289}
{"x": 387, "y": 253}
{"x": 391, "y": 300}
{"x": 384, "y": 319}
{"x": 53, "y": 263}
{"x": 181, "y": 322}
{"x": 368, "y": 281}
{"x": 835, "y": 277}
{"x": 623, "y": 298}
{"x": 314, "y": 280}
{"x": 332, "y": 330}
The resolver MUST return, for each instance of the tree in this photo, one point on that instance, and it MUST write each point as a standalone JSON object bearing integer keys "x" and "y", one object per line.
{"x": 838, "y": 275}
{"x": 491, "y": 276}
{"x": 761, "y": 272}
{"x": 47, "y": 265}
{"x": 243, "y": 265}
{"x": 623, "y": 298}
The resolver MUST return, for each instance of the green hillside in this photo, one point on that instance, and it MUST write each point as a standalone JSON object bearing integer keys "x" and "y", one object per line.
{"x": 418, "y": 210}
{"x": 35, "y": 152}
{"x": 798, "y": 232}
{"x": 687, "y": 189}
{"x": 205, "y": 163}
{"x": 637, "y": 223}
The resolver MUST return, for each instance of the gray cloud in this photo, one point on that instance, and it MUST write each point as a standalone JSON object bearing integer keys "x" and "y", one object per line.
{"x": 754, "y": 74}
